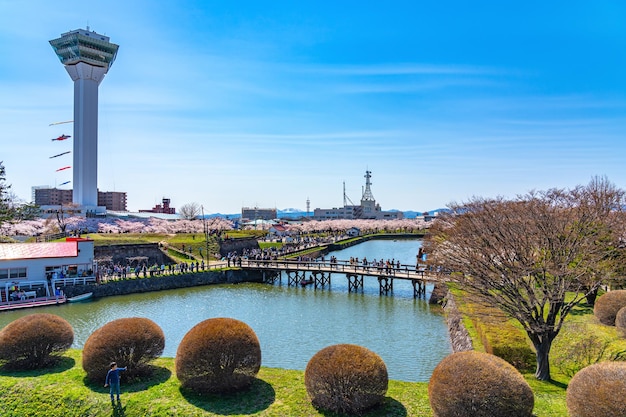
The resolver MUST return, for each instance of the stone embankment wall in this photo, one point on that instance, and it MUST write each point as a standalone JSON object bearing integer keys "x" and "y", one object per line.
{"x": 120, "y": 254}
{"x": 459, "y": 336}
{"x": 438, "y": 296}
{"x": 168, "y": 282}
{"x": 237, "y": 245}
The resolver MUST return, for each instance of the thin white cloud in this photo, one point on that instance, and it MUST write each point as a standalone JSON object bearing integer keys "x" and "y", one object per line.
{"x": 397, "y": 69}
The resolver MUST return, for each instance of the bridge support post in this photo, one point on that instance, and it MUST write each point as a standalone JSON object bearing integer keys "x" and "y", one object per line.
{"x": 270, "y": 277}
{"x": 385, "y": 285}
{"x": 419, "y": 288}
{"x": 355, "y": 282}
{"x": 294, "y": 277}
{"x": 320, "y": 278}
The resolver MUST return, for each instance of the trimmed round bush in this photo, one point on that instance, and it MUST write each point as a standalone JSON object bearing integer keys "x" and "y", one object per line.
{"x": 476, "y": 384}
{"x": 598, "y": 390}
{"x": 620, "y": 319}
{"x": 607, "y": 306}
{"x": 131, "y": 342}
{"x": 346, "y": 378}
{"x": 35, "y": 341}
{"x": 218, "y": 355}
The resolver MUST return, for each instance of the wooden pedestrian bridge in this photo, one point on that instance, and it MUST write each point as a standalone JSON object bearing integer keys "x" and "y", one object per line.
{"x": 320, "y": 272}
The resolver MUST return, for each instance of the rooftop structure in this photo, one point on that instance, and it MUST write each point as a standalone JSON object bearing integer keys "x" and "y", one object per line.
{"x": 37, "y": 266}
{"x": 368, "y": 209}
{"x": 87, "y": 57}
{"x": 47, "y": 196}
{"x": 257, "y": 213}
{"x": 161, "y": 208}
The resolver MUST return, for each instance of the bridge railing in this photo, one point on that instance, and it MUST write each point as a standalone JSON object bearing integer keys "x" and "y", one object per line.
{"x": 401, "y": 271}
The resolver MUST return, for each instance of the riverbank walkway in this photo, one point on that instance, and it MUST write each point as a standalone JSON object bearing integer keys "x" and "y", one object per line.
{"x": 320, "y": 273}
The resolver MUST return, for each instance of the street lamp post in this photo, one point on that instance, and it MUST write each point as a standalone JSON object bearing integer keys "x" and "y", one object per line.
{"x": 206, "y": 236}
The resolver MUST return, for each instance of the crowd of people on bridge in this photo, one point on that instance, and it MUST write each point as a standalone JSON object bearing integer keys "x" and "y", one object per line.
{"x": 235, "y": 258}
{"x": 382, "y": 265}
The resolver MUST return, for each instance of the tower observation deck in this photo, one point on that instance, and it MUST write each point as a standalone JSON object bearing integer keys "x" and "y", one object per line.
{"x": 87, "y": 57}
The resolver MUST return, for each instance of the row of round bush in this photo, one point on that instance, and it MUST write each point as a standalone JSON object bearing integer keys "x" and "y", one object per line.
{"x": 223, "y": 355}
{"x": 610, "y": 308}
{"x": 218, "y": 355}
{"x": 34, "y": 341}
{"x": 474, "y": 384}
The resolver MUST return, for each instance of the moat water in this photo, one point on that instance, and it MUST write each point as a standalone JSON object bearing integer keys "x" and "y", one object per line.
{"x": 292, "y": 323}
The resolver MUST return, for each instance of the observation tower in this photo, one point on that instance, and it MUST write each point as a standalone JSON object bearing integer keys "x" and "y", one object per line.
{"x": 87, "y": 57}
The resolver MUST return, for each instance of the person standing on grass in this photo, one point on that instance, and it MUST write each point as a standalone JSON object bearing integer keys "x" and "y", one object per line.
{"x": 113, "y": 380}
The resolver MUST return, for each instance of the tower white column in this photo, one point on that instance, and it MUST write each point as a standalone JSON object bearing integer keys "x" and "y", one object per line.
{"x": 87, "y": 57}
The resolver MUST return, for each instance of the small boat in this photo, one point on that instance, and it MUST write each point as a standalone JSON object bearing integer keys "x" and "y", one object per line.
{"x": 81, "y": 297}
{"x": 305, "y": 282}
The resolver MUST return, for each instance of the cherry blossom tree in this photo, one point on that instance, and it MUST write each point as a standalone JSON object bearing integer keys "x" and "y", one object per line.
{"x": 214, "y": 225}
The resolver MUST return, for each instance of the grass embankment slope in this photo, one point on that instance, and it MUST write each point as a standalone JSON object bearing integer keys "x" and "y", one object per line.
{"x": 176, "y": 239}
{"x": 581, "y": 342}
{"x": 63, "y": 391}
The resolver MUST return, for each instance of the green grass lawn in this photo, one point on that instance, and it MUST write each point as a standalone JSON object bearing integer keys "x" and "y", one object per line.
{"x": 173, "y": 238}
{"x": 267, "y": 245}
{"x": 581, "y": 342}
{"x": 63, "y": 391}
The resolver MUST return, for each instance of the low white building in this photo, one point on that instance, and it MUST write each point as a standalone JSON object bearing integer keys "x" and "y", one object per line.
{"x": 39, "y": 267}
{"x": 353, "y": 232}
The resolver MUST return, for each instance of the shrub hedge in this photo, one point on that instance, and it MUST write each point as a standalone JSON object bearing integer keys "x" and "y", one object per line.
{"x": 578, "y": 346}
{"x": 35, "y": 341}
{"x": 500, "y": 337}
{"x": 218, "y": 355}
{"x": 476, "y": 384}
{"x": 598, "y": 390}
{"x": 607, "y": 306}
{"x": 346, "y": 378}
{"x": 620, "y": 319}
{"x": 131, "y": 342}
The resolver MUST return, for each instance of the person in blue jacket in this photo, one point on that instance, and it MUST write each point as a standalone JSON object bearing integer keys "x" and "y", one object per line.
{"x": 113, "y": 380}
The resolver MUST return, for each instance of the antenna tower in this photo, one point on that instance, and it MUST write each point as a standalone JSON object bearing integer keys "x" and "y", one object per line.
{"x": 346, "y": 199}
{"x": 367, "y": 194}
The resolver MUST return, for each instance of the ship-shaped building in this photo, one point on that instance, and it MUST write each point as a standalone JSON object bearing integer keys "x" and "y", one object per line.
{"x": 368, "y": 209}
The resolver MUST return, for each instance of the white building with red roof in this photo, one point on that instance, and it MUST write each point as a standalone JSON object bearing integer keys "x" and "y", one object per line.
{"x": 279, "y": 230}
{"x": 41, "y": 267}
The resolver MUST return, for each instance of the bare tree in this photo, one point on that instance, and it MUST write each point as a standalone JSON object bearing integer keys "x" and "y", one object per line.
{"x": 606, "y": 201}
{"x": 63, "y": 214}
{"x": 190, "y": 211}
{"x": 523, "y": 255}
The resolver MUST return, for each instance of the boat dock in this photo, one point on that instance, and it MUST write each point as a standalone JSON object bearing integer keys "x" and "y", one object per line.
{"x": 34, "y": 302}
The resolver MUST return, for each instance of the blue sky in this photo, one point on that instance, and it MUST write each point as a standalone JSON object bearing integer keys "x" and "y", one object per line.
{"x": 248, "y": 103}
